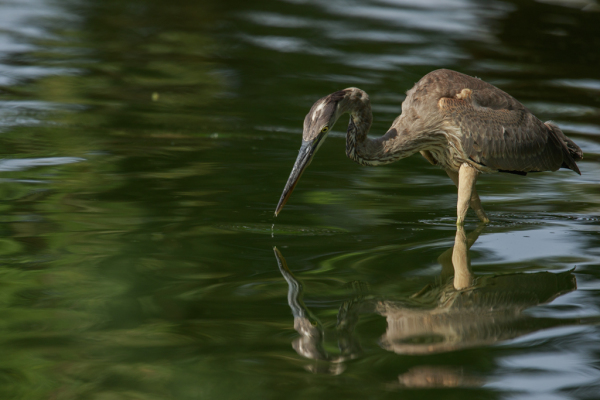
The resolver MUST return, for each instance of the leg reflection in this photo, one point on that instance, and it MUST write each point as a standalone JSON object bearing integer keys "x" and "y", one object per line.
{"x": 465, "y": 312}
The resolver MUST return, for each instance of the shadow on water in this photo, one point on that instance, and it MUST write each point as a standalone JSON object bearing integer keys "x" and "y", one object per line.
{"x": 461, "y": 310}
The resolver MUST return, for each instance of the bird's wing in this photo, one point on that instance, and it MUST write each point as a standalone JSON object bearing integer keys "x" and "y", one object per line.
{"x": 497, "y": 131}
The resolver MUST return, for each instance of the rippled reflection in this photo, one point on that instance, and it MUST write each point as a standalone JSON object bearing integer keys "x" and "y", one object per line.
{"x": 464, "y": 311}
{"x": 142, "y": 144}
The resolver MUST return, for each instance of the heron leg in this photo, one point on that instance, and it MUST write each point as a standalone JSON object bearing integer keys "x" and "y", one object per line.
{"x": 467, "y": 176}
{"x": 465, "y": 180}
{"x": 475, "y": 201}
{"x": 476, "y": 205}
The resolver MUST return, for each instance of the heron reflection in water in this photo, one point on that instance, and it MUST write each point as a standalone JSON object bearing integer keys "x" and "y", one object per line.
{"x": 464, "y": 311}
{"x": 461, "y": 123}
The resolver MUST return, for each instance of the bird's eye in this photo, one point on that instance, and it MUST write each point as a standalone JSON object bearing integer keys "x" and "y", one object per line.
{"x": 325, "y": 129}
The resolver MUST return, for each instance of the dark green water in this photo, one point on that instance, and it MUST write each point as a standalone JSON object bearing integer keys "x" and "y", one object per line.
{"x": 144, "y": 145}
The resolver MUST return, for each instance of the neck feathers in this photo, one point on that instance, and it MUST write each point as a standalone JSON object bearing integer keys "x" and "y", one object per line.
{"x": 397, "y": 143}
{"x": 356, "y": 102}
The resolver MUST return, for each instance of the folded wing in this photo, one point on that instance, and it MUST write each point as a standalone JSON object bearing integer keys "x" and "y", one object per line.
{"x": 499, "y": 133}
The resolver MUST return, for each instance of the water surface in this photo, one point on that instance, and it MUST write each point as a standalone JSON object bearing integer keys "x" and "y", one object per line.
{"x": 145, "y": 146}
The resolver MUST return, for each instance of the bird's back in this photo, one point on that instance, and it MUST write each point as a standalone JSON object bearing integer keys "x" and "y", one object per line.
{"x": 486, "y": 126}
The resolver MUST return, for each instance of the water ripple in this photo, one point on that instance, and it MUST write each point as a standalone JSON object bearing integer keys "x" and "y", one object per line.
{"x": 20, "y": 164}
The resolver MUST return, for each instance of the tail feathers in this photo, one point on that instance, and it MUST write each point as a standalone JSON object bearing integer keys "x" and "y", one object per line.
{"x": 571, "y": 152}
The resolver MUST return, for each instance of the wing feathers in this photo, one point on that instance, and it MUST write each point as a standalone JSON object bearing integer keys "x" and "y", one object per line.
{"x": 499, "y": 133}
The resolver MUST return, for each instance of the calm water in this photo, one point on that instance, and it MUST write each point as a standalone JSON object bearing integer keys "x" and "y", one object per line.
{"x": 145, "y": 145}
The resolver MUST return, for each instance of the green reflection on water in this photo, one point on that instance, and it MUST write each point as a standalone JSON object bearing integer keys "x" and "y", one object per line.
{"x": 277, "y": 229}
{"x": 145, "y": 269}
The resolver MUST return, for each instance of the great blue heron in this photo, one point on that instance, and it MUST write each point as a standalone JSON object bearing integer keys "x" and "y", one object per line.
{"x": 461, "y": 123}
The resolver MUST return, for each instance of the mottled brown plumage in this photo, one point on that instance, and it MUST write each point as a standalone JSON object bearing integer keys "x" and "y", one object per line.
{"x": 461, "y": 123}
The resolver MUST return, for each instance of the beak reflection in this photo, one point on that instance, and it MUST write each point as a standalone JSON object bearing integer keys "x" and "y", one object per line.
{"x": 459, "y": 311}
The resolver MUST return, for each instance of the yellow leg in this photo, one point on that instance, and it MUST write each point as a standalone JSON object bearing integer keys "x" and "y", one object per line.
{"x": 474, "y": 200}
{"x": 476, "y": 205}
{"x": 467, "y": 176}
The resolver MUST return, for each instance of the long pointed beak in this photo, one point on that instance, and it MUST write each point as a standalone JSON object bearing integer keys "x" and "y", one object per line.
{"x": 307, "y": 151}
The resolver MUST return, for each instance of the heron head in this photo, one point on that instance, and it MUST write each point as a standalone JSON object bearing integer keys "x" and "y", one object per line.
{"x": 317, "y": 124}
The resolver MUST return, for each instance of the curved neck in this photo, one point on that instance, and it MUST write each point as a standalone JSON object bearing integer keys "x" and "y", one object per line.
{"x": 397, "y": 143}
{"x": 356, "y": 103}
